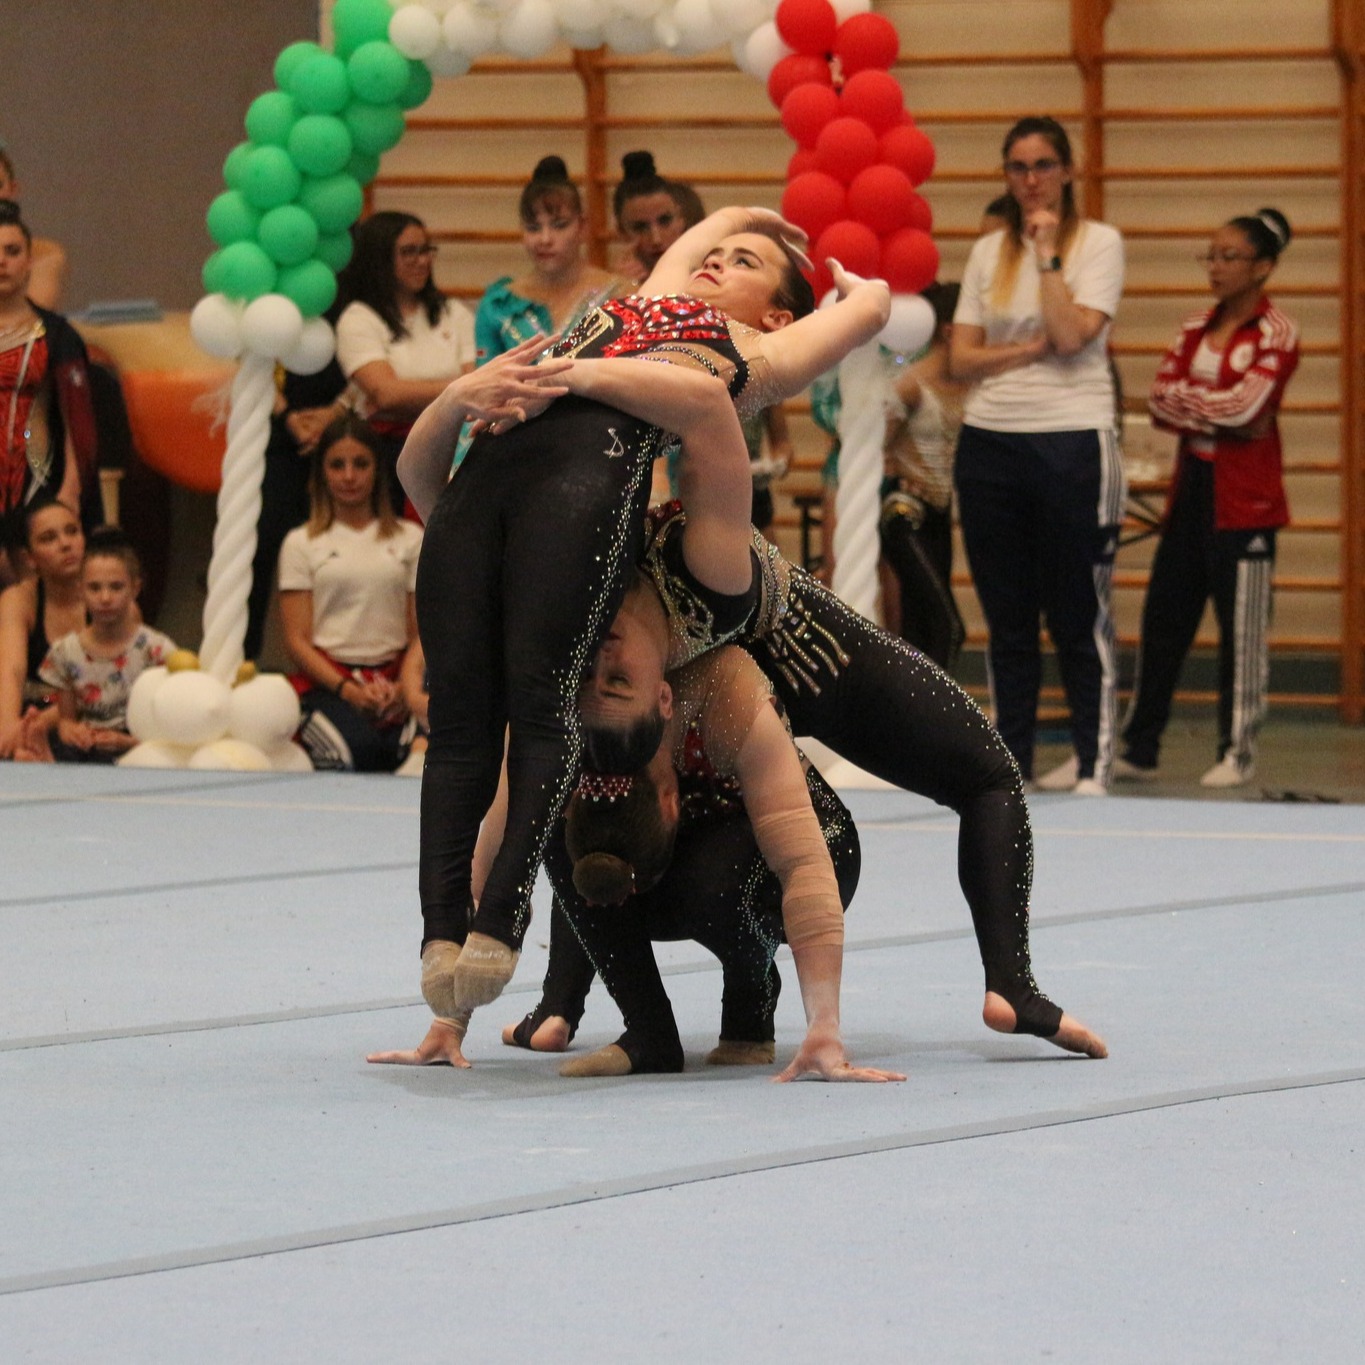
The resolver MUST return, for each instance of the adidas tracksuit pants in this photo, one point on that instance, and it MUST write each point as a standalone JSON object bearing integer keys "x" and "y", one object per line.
{"x": 1193, "y": 563}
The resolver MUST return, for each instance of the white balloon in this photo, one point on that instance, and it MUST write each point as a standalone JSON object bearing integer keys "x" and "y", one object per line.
{"x": 216, "y": 326}
{"x": 642, "y": 10}
{"x": 530, "y": 30}
{"x": 229, "y": 755}
{"x": 289, "y": 758}
{"x": 156, "y": 753}
{"x": 697, "y": 26}
{"x": 586, "y": 39}
{"x": 316, "y": 346}
{"x": 272, "y": 326}
{"x": 468, "y": 31}
{"x": 141, "y": 717}
{"x": 191, "y": 707}
{"x": 264, "y": 711}
{"x": 581, "y": 16}
{"x": 739, "y": 56}
{"x": 910, "y": 327}
{"x": 629, "y": 36}
{"x": 437, "y": 7}
{"x": 845, "y": 9}
{"x": 415, "y": 31}
{"x": 444, "y": 62}
{"x": 764, "y": 50}
{"x": 739, "y": 18}
{"x": 498, "y": 6}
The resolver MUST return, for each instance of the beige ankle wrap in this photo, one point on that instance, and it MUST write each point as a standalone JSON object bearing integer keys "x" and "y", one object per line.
{"x": 485, "y": 967}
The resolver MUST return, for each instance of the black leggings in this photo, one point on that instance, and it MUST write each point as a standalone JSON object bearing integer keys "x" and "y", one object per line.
{"x": 881, "y": 705}
{"x": 922, "y": 560}
{"x": 719, "y": 891}
{"x": 523, "y": 566}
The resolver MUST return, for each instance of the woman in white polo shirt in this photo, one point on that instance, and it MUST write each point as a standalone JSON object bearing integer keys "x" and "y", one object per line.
{"x": 400, "y": 341}
{"x": 1039, "y": 479}
{"x": 347, "y": 579}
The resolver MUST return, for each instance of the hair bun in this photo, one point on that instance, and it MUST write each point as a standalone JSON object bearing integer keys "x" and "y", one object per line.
{"x": 638, "y": 166}
{"x": 1277, "y": 225}
{"x": 551, "y": 168}
{"x": 603, "y": 878}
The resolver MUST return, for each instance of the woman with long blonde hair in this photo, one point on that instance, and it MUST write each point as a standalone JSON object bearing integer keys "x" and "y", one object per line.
{"x": 1039, "y": 479}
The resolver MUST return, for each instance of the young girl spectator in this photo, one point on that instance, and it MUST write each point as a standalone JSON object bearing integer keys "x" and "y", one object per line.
{"x": 923, "y": 422}
{"x": 1039, "y": 478}
{"x": 346, "y": 602}
{"x": 400, "y": 341}
{"x": 560, "y": 286}
{"x": 42, "y": 607}
{"x": 1219, "y": 387}
{"x": 47, "y": 422}
{"x": 93, "y": 669}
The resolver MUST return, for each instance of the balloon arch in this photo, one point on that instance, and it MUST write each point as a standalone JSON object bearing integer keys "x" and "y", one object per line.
{"x": 296, "y": 185}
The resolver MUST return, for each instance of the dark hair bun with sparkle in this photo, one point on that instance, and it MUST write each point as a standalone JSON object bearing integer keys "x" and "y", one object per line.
{"x": 551, "y": 168}
{"x": 603, "y": 878}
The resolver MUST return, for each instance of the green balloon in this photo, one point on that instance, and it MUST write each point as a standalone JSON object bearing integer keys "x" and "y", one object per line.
{"x": 320, "y": 144}
{"x": 374, "y": 127}
{"x": 232, "y": 219}
{"x": 312, "y": 285}
{"x": 418, "y": 88}
{"x": 288, "y": 234}
{"x": 364, "y": 166}
{"x": 319, "y": 84}
{"x": 270, "y": 117}
{"x": 378, "y": 72}
{"x": 290, "y": 59}
{"x": 356, "y": 22}
{"x": 212, "y": 274}
{"x": 334, "y": 249}
{"x": 246, "y": 271}
{"x": 335, "y": 202}
{"x": 235, "y": 164}
{"x": 269, "y": 178}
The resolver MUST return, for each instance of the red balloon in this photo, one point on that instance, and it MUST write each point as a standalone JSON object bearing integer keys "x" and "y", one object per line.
{"x": 813, "y": 201}
{"x": 845, "y": 147}
{"x": 909, "y": 149}
{"x": 865, "y": 41}
{"x": 796, "y": 70}
{"x": 883, "y": 198}
{"x": 807, "y": 109}
{"x": 803, "y": 160}
{"x": 875, "y": 97}
{"x": 921, "y": 215}
{"x": 909, "y": 261}
{"x": 852, "y": 244}
{"x": 807, "y": 25}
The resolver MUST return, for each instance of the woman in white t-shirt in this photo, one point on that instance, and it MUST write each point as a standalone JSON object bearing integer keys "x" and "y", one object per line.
{"x": 347, "y": 579}
{"x": 1039, "y": 479}
{"x": 400, "y": 341}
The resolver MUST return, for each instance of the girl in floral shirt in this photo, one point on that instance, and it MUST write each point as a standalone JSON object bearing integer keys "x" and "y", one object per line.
{"x": 94, "y": 669}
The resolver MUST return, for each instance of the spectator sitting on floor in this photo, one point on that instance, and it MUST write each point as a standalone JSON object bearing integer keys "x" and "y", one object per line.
{"x": 346, "y": 602}
{"x": 44, "y": 605}
{"x": 93, "y": 669}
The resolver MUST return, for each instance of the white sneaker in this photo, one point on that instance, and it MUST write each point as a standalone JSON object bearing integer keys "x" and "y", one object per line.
{"x": 1126, "y": 771}
{"x": 1062, "y": 778}
{"x": 412, "y": 765}
{"x": 1228, "y": 772}
{"x": 1089, "y": 786}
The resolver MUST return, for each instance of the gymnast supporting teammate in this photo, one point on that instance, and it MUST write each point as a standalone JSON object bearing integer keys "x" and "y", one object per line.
{"x": 526, "y": 550}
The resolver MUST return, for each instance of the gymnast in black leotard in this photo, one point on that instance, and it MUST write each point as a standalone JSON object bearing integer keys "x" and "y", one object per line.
{"x": 525, "y": 556}
{"x": 861, "y": 691}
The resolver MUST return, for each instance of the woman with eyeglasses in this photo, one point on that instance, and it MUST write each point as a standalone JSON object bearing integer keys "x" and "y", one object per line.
{"x": 1039, "y": 479}
{"x": 400, "y": 341}
{"x": 560, "y": 286}
{"x": 1219, "y": 387}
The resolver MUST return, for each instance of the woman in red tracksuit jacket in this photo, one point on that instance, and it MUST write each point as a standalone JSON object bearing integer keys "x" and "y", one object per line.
{"x": 1220, "y": 387}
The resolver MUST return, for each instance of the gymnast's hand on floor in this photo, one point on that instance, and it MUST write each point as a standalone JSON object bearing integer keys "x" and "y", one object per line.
{"x": 822, "y": 1054}
{"x": 441, "y": 1047}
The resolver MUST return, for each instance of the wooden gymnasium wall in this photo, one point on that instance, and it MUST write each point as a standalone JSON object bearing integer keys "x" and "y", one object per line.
{"x": 1181, "y": 115}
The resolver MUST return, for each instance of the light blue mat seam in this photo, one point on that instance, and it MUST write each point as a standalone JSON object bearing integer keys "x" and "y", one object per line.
{"x": 644, "y": 1184}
